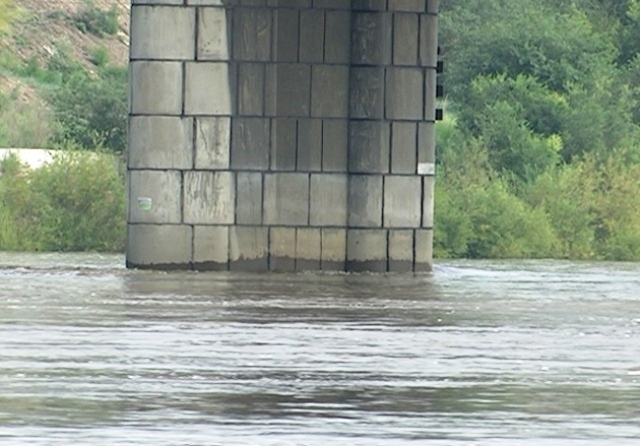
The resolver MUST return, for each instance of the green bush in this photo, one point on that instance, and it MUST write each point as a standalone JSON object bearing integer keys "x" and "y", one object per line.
{"x": 91, "y": 19}
{"x": 76, "y": 203}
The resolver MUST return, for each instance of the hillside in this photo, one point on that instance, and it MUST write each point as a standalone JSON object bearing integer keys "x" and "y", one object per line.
{"x": 47, "y": 47}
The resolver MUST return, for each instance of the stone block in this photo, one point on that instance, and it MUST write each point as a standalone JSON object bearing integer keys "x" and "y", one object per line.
{"x": 286, "y": 35}
{"x": 404, "y": 147}
{"x": 149, "y": 78}
{"x": 328, "y": 205}
{"x": 331, "y": 4}
{"x": 159, "y": 246}
{"x": 371, "y": 38}
{"x": 402, "y": 201}
{"x": 311, "y": 35}
{"x": 308, "y": 249}
{"x": 334, "y": 249}
{"x": 433, "y": 6}
{"x": 211, "y": 248}
{"x": 250, "y": 89}
{"x": 160, "y": 142}
{"x": 282, "y": 249}
{"x": 428, "y": 40}
{"x": 424, "y": 250}
{"x": 366, "y": 250}
{"x": 149, "y": 36}
{"x": 209, "y": 197}
{"x": 337, "y": 41}
{"x": 369, "y": 147}
{"x": 207, "y": 89}
{"x": 212, "y": 143}
{"x": 426, "y": 143}
{"x": 369, "y": 5}
{"x": 286, "y": 199}
{"x": 249, "y": 198}
{"x": 404, "y": 93}
{"x": 155, "y": 196}
{"x": 250, "y": 144}
{"x": 428, "y": 184}
{"x": 310, "y": 145}
{"x": 283, "y": 144}
{"x": 248, "y": 248}
{"x": 408, "y": 5}
{"x": 430, "y": 95}
{"x": 365, "y": 201}
{"x": 213, "y": 34}
{"x": 335, "y": 137}
{"x": 406, "y": 32}
{"x": 157, "y": 2}
{"x": 205, "y": 2}
{"x": 366, "y": 95}
{"x": 252, "y": 34}
{"x": 288, "y": 90}
{"x": 400, "y": 251}
{"x": 330, "y": 91}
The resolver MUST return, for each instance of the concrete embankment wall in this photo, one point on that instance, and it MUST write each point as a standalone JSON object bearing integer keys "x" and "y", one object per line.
{"x": 282, "y": 135}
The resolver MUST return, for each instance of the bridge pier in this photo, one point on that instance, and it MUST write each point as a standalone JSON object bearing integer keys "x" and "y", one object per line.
{"x": 282, "y": 135}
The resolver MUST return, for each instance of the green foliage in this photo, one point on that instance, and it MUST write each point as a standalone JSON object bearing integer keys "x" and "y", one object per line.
{"x": 75, "y": 203}
{"x": 100, "y": 56}
{"x": 91, "y": 19}
{"x": 24, "y": 124}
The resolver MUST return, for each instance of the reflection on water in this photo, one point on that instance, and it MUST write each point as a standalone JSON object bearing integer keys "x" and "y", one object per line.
{"x": 480, "y": 353}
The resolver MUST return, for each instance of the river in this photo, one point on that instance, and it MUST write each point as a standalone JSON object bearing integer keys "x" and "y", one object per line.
{"x": 533, "y": 353}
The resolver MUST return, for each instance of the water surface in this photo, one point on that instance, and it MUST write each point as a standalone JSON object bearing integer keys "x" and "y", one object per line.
{"x": 479, "y": 353}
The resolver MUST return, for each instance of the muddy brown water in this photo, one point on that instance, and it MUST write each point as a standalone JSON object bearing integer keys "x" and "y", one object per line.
{"x": 479, "y": 353}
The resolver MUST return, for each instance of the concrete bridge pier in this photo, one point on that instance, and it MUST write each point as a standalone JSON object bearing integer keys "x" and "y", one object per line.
{"x": 282, "y": 135}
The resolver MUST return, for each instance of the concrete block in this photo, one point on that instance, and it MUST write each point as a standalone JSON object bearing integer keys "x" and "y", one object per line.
{"x": 249, "y": 198}
{"x": 371, "y": 38}
{"x": 311, "y": 36}
{"x": 212, "y": 143}
{"x": 252, "y": 34}
{"x": 424, "y": 250}
{"x": 337, "y": 40}
{"x": 207, "y": 89}
{"x": 250, "y": 144}
{"x": 335, "y": 137}
{"x": 366, "y": 95}
{"x": 209, "y": 197}
{"x": 155, "y": 196}
{"x": 402, "y": 201}
{"x": 282, "y": 249}
{"x": 365, "y": 201}
{"x": 160, "y": 142}
{"x": 308, "y": 249}
{"x": 248, "y": 248}
{"x": 366, "y": 250}
{"x": 404, "y": 147}
{"x": 430, "y": 95}
{"x": 149, "y": 36}
{"x": 286, "y": 23}
{"x": 428, "y": 40}
{"x": 211, "y": 248}
{"x": 288, "y": 90}
{"x": 213, "y": 34}
{"x": 428, "y": 183}
{"x": 310, "y": 145}
{"x": 286, "y": 199}
{"x": 433, "y": 6}
{"x": 157, "y": 2}
{"x": 159, "y": 246}
{"x": 426, "y": 144}
{"x": 328, "y": 205}
{"x": 331, "y": 4}
{"x": 205, "y": 2}
{"x": 408, "y": 5}
{"x": 334, "y": 249}
{"x": 404, "y": 98}
{"x": 369, "y": 147}
{"x": 330, "y": 91}
{"x": 406, "y": 33}
{"x": 147, "y": 79}
{"x": 369, "y": 5}
{"x": 250, "y": 89}
{"x": 283, "y": 144}
{"x": 401, "y": 251}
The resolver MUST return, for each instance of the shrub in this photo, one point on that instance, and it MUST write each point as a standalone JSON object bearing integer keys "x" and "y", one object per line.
{"x": 91, "y": 19}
